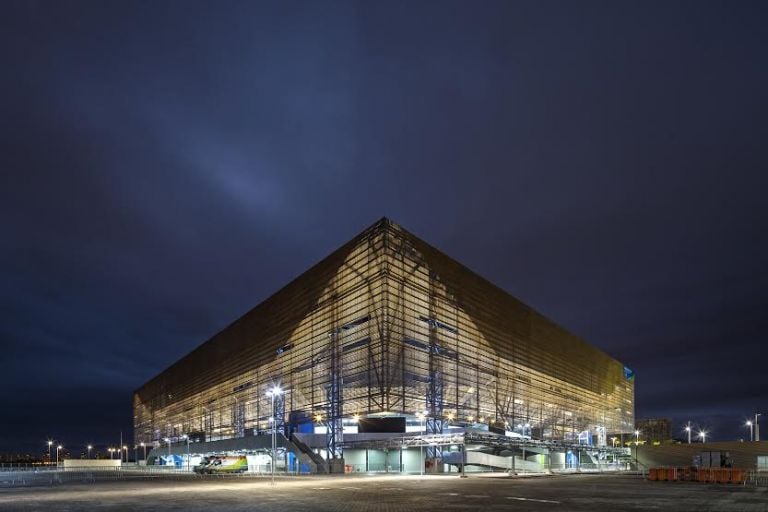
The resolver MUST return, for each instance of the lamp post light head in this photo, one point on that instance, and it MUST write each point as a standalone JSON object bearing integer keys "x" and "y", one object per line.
{"x": 749, "y": 423}
{"x": 59, "y": 447}
{"x": 687, "y": 429}
{"x": 50, "y": 443}
{"x": 90, "y": 447}
{"x": 125, "y": 447}
{"x": 141, "y": 443}
{"x": 356, "y": 418}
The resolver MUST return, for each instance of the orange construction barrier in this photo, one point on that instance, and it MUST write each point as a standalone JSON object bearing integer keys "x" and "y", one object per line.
{"x": 693, "y": 474}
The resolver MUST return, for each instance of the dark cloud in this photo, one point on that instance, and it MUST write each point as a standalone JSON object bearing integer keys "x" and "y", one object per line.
{"x": 166, "y": 167}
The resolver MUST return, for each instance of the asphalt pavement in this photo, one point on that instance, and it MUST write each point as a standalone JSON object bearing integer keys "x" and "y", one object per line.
{"x": 363, "y": 493}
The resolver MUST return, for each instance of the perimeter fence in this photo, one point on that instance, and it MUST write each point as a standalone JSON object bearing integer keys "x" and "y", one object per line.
{"x": 40, "y": 476}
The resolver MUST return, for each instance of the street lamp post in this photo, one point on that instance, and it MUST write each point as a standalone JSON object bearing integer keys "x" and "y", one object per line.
{"x": 757, "y": 426}
{"x": 272, "y": 393}
{"x": 49, "y": 452}
{"x": 688, "y": 430}
{"x": 57, "y": 455}
{"x": 145, "y": 449}
{"x": 637, "y": 442}
{"x": 168, "y": 440}
{"x": 187, "y": 439}
{"x": 89, "y": 451}
{"x": 751, "y": 432}
{"x": 703, "y": 436}
{"x": 125, "y": 449}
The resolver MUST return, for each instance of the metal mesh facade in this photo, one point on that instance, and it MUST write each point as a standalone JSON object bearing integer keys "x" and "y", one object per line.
{"x": 389, "y": 324}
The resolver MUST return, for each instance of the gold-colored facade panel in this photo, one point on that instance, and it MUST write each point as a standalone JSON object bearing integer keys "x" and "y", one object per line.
{"x": 416, "y": 331}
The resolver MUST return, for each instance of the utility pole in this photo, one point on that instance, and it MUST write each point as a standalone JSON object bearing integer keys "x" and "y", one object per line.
{"x": 757, "y": 426}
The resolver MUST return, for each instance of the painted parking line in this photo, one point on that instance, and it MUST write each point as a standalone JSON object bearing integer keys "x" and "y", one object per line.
{"x": 531, "y": 499}
{"x": 350, "y": 488}
{"x": 477, "y": 496}
{"x": 322, "y": 488}
{"x": 453, "y": 494}
{"x": 392, "y": 489}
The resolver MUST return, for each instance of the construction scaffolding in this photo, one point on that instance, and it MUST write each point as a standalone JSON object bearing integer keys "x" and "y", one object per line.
{"x": 389, "y": 325}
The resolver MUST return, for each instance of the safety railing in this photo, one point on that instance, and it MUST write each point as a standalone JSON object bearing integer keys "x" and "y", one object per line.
{"x": 756, "y": 478}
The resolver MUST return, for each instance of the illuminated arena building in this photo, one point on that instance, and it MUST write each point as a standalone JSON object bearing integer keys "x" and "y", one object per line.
{"x": 385, "y": 346}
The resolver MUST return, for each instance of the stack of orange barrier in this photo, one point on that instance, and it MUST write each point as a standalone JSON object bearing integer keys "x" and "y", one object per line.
{"x": 738, "y": 476}
{"x": 708, "y": 475}
{"x": 689, "y": 474}
{"x": 722, "y": 475}
{"x": 692, "y": 474}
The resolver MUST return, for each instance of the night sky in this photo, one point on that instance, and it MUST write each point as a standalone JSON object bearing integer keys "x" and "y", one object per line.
{"x": 168, "y": 165}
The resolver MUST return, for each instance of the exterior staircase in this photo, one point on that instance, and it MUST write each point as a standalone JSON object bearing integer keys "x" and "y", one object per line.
{"x": 306, "y": 456}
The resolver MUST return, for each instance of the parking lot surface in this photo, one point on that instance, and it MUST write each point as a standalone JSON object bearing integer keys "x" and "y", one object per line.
{"x": 389, "y": 494}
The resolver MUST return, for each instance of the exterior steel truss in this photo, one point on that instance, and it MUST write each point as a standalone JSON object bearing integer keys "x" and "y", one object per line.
{"x": 335, "y": 432}
{"x": 389, "y": 325}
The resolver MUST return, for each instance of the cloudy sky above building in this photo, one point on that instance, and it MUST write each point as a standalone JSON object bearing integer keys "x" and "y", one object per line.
{"x": 168, "y": 165}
